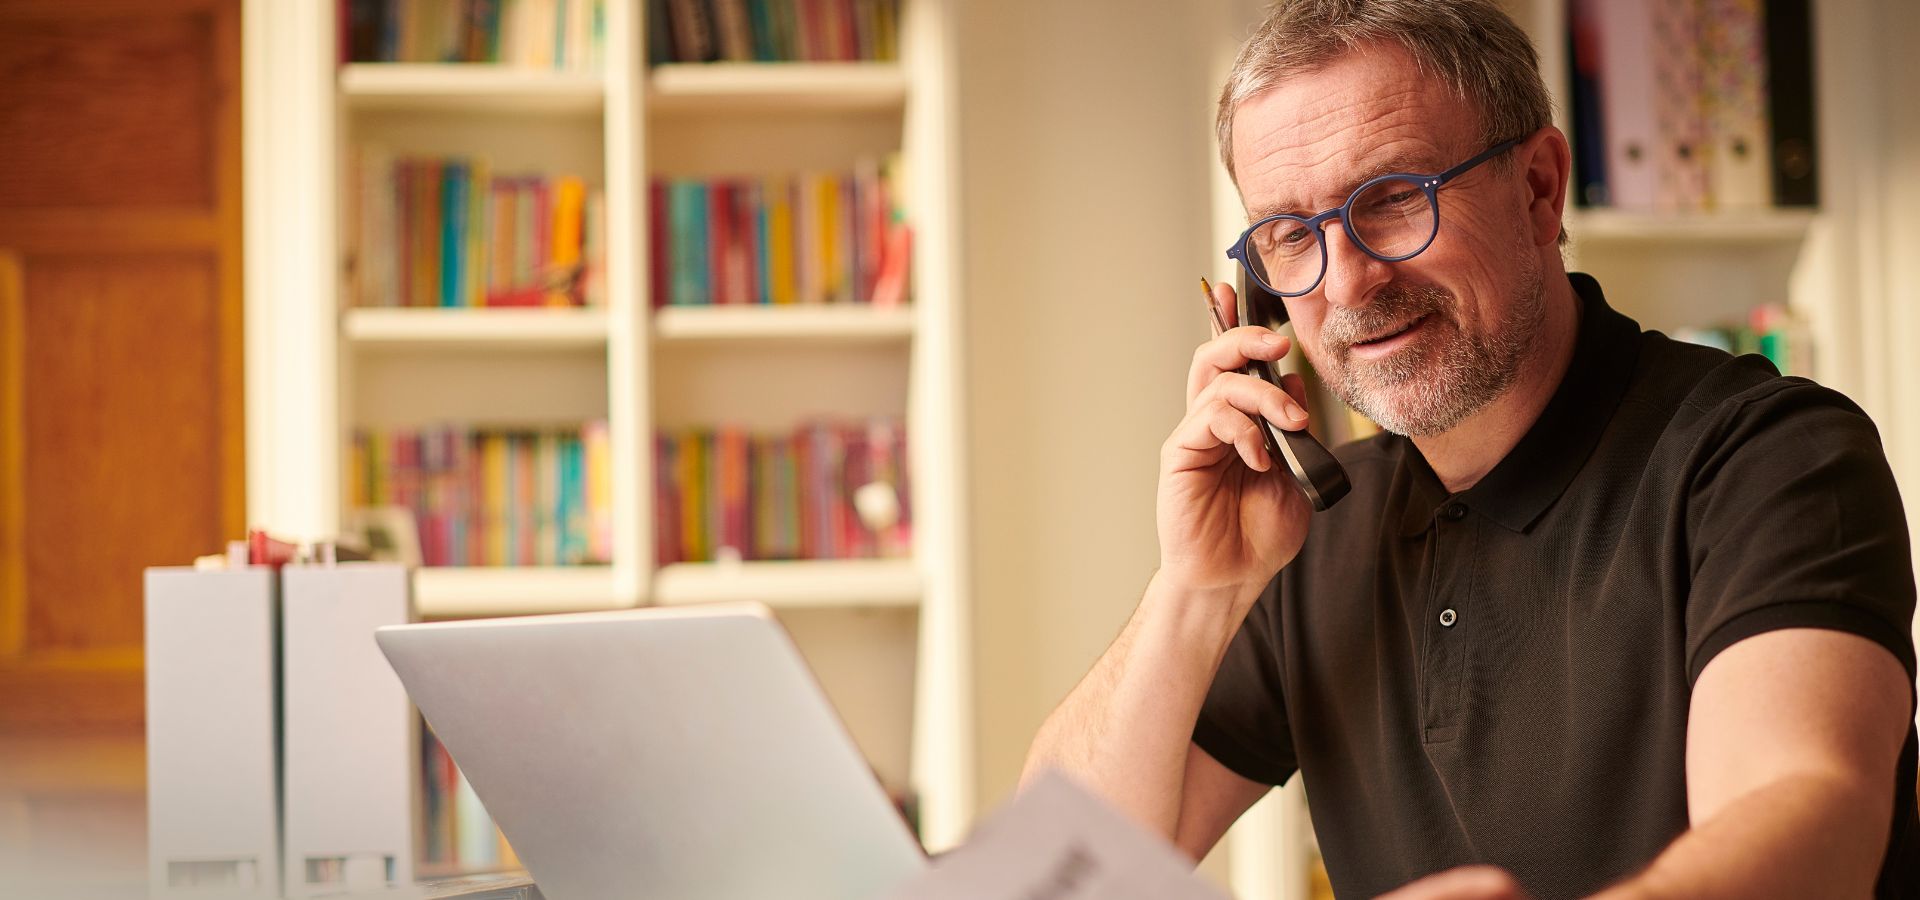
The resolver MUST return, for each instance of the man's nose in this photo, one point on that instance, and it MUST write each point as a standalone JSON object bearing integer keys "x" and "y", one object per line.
{"x": 1352, "y": 275}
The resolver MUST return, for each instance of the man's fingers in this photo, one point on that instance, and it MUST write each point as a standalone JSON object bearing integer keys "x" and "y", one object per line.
{"x": 1217, "y": 425}
{"x": 1230, "y": 351}
{"x": 1254, "y": 397}
{"x": 1464, "y": 883}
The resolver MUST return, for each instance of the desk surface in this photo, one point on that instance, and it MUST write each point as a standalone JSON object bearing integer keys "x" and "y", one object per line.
{"x": 73, "y": 825}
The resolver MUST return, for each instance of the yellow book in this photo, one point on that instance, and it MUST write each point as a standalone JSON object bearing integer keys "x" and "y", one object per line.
{"x": 597, "y": 450}
{"x": 569, "y": 204}
{"x": 691, "y": 475}
{"x": 779, "y": 199}
{"x": 831, "y": 278}
{"x": 493, "y": 465}
{"x": 377, "y": 463}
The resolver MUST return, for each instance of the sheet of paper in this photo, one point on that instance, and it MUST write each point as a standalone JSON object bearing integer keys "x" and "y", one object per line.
{"x": 1055, "y": 841}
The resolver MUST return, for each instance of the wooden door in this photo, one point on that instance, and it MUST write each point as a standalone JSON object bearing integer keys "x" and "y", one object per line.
{"x": 120, "y": 343}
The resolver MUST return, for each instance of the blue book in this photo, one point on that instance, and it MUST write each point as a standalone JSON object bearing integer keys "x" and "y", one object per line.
{"x": 574, "y": 527}
{"x": 453, "y": 232}
{"x": 689, "y": 215}
{"x": 757, "y": 206}
{"x": 760, "y": 22}
{"x": 568, "y": 501}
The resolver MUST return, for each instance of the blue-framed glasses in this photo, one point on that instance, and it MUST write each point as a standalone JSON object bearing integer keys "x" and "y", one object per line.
{"x": 1390, "y": 218}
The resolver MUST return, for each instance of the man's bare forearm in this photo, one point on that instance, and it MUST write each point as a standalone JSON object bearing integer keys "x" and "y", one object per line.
{"x": 1124, "y": 730}
{"x": 1802, "y": 836}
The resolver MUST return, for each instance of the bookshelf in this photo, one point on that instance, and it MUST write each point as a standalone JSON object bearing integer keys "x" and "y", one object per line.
{"x": 334, "y": 367}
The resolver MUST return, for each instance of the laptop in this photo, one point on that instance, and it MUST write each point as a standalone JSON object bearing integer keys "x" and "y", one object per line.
{"x": 663, "y": 753}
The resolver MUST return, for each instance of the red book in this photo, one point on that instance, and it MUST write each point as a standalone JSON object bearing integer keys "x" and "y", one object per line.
{"x": 807, "y": 491}
{"x": 719, "y": 232}
{"x": 666, "y": 503}
{"x": 849, "y": 33}
{"x": 525, "y": 495}
{"x": 811, "y": 29}
{"x": 542, "y": 234}
{"x": 743, "y": 250}
{"x": 657, "y": 236}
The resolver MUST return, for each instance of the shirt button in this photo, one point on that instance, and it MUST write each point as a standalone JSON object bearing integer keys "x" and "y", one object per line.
{"x": 1447, "y": 618}
{"x": 1453, "y": 512}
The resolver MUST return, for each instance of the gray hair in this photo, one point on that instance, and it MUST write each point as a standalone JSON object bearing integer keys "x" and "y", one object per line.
{"x": 1470, "y": 45}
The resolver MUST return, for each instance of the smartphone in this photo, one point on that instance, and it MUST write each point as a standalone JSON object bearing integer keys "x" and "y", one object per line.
{"x": 1314, "y": 468}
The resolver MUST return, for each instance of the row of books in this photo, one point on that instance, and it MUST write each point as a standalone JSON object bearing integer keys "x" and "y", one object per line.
{"x": 827, "y": 490}
{"x": 543, "y": 34}
{"x": 1770, "y": 330}
{"x": 493, "y": 497}
{"x": 772, "y": 30}
{"x": 1688, "y": 105}
{"x": 448, "y": 231}
{"x": 812, "y": 238}
{"x": 458, "y": 835}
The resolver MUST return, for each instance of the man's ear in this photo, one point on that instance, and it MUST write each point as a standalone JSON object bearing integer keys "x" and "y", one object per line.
{"x": 1548, "y": 163}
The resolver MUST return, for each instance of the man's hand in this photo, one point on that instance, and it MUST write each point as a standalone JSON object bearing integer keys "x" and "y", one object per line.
{"x": 1226, "y": 519}
{"x": 1464, "y": 883}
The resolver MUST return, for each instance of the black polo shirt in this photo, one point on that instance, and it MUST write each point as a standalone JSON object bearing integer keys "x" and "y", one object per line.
{"x": 1502, "y": 675}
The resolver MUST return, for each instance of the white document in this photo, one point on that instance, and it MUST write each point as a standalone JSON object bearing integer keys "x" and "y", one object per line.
{"x": 1055, "y": 841}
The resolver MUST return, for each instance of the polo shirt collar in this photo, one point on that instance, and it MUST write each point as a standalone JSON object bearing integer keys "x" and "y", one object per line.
{"x": 1539, "y": 468}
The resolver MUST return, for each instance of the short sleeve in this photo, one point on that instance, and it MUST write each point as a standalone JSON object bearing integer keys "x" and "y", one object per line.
{"x": 1794, "y": 521}
{"x": 1243, "y": 721}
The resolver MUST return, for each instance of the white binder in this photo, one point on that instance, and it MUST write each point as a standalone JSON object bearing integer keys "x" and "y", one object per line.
{"x": 351, "y": 748}
{"x": 213, "y": 815}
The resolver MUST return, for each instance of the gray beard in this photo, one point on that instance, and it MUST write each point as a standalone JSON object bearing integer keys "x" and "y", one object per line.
{"x": 1447, "y": 374}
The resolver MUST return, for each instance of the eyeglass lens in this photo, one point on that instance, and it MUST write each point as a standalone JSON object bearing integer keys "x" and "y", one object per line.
{"x": 1392, "y": 218}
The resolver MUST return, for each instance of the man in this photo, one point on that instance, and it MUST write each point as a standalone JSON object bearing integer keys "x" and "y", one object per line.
{"x": 1604, "y": 612}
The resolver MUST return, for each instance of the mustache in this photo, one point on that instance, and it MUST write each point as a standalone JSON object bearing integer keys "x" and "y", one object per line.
{"x": 1394, "y": 305}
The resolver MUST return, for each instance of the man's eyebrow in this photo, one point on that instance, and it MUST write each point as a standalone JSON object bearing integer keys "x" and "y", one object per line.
{"x": 1404, "y": 163}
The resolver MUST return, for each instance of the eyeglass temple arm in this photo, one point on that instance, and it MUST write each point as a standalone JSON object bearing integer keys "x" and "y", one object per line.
{"x": 1485, "y": 155}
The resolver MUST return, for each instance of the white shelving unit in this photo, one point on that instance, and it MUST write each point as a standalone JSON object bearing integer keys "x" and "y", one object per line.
{"x": 888, "y": 637}
{"x": 799, "y": 584}
{"x": 439, "y": 87}
{"x": 735, "y": 88}
{"x": 787, "y": 323}
{"x": 475, "y": 328}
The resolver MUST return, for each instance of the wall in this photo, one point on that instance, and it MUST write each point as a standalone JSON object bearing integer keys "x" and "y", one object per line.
{"x": 1085, "y": 153}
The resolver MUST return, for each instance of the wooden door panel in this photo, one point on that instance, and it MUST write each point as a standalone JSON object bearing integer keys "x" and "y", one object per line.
{"x": 114, "y": 111}
{"x": 120, "y": 335}
{"x": 122, "y": 395}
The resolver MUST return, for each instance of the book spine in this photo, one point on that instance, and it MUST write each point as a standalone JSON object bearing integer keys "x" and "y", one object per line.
{"x": 1733, "y": 46}
{"x": 569, "y": 210}
{"x": 598, "y": 453}
{"x": 1628, "y": 100}
{"x": 1790, "y": 103}
{"x": 1589, "y": 138}
{"x": 666, "y": 502}
{"x": 716, "y": 238}
{"x": 780, "y": 255}
{"x": 659, "y": 232}
{"x": 479, "y": 233}
{"x": 1679, "y": 113}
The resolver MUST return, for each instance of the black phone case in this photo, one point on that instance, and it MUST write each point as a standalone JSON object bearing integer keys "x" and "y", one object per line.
{"x": 1314, "y": 468}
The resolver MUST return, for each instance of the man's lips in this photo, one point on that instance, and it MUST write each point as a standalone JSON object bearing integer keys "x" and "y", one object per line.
{"x": 1386, "y": 341}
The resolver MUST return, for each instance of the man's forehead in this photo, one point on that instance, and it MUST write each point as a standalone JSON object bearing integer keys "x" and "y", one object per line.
{"x": 1365, "y": 113}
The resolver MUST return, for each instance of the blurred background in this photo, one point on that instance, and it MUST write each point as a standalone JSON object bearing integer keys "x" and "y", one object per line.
{"x": 874, "y": 311}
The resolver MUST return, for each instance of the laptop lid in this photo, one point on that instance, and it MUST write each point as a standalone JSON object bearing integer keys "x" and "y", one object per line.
{"x": 658, "y": 753}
